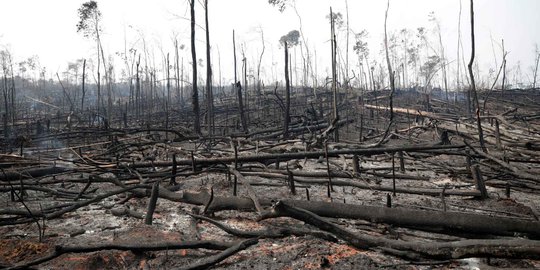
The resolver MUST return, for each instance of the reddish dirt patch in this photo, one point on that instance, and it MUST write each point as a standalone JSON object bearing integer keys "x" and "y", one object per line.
{"x": 14, "y": 251}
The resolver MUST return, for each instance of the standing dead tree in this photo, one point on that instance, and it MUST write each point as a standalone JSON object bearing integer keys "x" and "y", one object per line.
{"x": 83, "y": 82}
{"x": 238, "y": 86}
{"x": 442, "y": 52}
{"x": 287, "y": 116}
{"x": 259, "y": 64}
{"x": 195, "y": 93}
{"x": 209, "y": 93}
{"x": 536, "y": 62}
{"x": 89, "y": 24}
{"x": 390, "y": 72}
{"x": 473, "y": 86}
{"x": 333, "y": 48}
{"x": 288, "y": 41}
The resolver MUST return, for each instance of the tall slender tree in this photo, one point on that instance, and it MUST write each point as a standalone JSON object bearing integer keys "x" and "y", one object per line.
{"x": 333, "y": 47}
{"x": 473, "y": 86}
{"x": 195, "y": 92}
{"x": 83, "y": 84}
{"x": 89, "y": 25}
{"x": 535, "y": 68}
{"x": 390, "y": 72}
{"x": 238, "y": 86}
{"x": 288, "y": 41}
{"x": 209, "y": 92}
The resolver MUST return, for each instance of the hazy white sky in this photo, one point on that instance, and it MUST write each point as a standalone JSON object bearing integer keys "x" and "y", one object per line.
{"x": 47, "y": 28}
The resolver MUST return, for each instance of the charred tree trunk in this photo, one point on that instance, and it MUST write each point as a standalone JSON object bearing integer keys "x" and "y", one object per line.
{"x": 209, "y": 93}
{"x": 390, "y": 72}
{"x": 177, "y": 71}
{"x": 83, "y": 82}
{"x": 98, "y": 82}
{"x": 473, "y": 86}
{"x": 195, "y": 93}
{"x": 138, "y": 98}
{"x": 536, "y": 69}
{"x": 286, "y": 117}
{"x": 238, "y": 87}
{"x": 334, "y": 73}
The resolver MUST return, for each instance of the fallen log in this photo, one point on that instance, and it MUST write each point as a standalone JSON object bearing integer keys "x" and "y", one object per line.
{"x": 290, "y": 156}
{"x": 520, "y": 173}
{"x": 208, "y": 262}
{"x": 272, "y": 232}
{"x": 431, "y": 220}
{"x": 360, "y": 185}
{"x": 304, "y": 129}
{"x": 30, "y": 173}
{"x": 413, "y": 112}
{"x": 139, "y": 246}
{"x": 502, "y": 248}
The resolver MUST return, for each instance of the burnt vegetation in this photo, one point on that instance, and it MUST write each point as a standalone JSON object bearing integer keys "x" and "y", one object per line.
{"x": 406, "y": 158}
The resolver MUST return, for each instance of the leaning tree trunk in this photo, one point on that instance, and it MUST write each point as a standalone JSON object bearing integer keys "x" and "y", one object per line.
{"x": 473, "y": 86}
{"x": 195, "y": 94}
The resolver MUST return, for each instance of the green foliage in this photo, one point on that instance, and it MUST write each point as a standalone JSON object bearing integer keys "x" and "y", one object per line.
{"x": 291, "y": 39}
{"x": 89, "y": 16}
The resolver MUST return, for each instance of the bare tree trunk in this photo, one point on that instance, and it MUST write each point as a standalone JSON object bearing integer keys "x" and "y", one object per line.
{"x": 287, "y": 116}
{"x": 473, "y": 86}
{"x": 83, "y": 82}
{"x": 107, "y": 81}
{"x": 259, "y": 65}
{"x": 195, "y": 93}
{"x": 182, "y": 84}
{"x": 347, "y": 47}
{"x": 177, "y": 70}
{"x": 246, "y": 93}
{"x": 167, "y": 104}
{"x": 390, "y": 72}
{"x": 13, "y": 90}
{"x": 457, "y": 59}
{"x": 234, "y": 55}
{"x": 334, "y": 74}
{"x": 536, "y": 68}
{"x": 98, "y": 84}
{"x": 209, "y": 93}
{"x": 138, "y": 98}
{"x": 443, "y": 62}
{"x": 238, "y": 87}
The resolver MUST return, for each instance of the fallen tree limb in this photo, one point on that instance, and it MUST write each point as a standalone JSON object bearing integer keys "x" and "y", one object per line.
{"x": 30, "y": 173}
{"x": 124, "y": 211}
{"x": 139, "y": 246}
{"x": 250, "y": 190}
{"x": 272, "y": 232}
{"x": 412, "y": 112}
{"x": 520, "y": 173}
{"x": 205, "y": 263}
